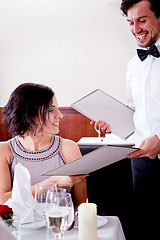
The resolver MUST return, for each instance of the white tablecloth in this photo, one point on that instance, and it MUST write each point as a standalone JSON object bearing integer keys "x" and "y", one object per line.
{"x": 112, "y": 230}
{"x": 5, "y": 233}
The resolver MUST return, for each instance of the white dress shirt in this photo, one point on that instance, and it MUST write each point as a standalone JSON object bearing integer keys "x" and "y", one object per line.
{"x": 143, "y": 95}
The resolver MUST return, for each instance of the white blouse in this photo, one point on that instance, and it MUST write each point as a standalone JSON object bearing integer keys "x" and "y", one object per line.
{"x": 143, "y": 95}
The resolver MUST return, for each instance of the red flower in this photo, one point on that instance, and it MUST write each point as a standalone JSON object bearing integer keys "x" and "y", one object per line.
{"x": 5, "y": 212}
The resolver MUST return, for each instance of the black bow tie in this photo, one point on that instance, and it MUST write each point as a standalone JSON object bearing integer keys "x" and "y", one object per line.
{"x": 144, "y": 53}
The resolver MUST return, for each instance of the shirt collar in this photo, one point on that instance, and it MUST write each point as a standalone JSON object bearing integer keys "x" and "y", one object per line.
{"x": 157, "y": 43}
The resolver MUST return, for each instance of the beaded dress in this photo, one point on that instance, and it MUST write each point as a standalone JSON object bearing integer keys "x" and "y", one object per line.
{"x": 37, "y": 162}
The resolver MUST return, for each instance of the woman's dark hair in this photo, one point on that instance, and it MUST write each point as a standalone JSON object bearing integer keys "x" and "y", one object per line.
{"x": 27, "y": 103}
{"x": 155, "y": 6}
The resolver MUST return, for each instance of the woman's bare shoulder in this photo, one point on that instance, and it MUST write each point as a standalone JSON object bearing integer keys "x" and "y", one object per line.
{"x": 70, "y": 150}
{"x": 69, "y": 143}
{"x": 5, "y": 151}
{"x": 4, "y": 144}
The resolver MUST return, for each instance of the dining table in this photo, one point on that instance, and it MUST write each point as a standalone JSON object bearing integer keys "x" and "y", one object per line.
{"x": 110, "y": 230}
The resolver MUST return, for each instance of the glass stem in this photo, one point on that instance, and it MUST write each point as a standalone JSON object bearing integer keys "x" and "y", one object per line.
{"x": 58, "y": 236}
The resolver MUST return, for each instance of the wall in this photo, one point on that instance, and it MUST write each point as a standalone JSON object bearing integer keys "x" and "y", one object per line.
{"x": 74, "y": 46}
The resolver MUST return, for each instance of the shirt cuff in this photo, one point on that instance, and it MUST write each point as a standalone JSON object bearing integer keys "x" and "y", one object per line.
{"x": 158, "y": 135}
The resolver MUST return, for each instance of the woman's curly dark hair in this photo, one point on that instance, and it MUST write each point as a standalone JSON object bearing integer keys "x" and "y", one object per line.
{"x": 27, "y": 103}
{"x": 155, "y": 6}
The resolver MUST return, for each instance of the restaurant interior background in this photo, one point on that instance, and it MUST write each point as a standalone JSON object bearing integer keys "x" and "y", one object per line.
{"x": 75, "y": 47}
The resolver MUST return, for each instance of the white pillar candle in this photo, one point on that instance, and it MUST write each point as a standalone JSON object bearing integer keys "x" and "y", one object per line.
{"x": 87, "y": 221}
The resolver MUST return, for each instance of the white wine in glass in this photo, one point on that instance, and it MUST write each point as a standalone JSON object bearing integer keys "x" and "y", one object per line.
{"x": 58, "y": 215}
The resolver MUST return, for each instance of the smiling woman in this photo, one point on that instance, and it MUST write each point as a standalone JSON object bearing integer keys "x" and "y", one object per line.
{"x": 33, "y": 116}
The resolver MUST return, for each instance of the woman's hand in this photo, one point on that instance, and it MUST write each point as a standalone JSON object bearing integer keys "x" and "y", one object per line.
{"x": 68, "y": 181}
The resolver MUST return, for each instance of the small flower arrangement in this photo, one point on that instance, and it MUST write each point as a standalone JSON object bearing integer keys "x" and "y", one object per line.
{"x": 5, "y": 212}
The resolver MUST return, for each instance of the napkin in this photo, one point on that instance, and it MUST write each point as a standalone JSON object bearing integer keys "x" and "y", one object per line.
{"x": 22, "y": 201}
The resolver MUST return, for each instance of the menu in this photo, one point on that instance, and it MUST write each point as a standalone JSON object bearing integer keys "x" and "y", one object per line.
{"x": 93, "y": 161}
{"x": 99, "y": 105}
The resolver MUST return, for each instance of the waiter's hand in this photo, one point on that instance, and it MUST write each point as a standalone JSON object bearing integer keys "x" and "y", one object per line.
{"x": 101, "y": 125}
{"x": 150, "y": 147}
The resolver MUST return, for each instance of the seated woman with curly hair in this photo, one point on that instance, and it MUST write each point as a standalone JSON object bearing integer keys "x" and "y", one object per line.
{"x": 33, "y": 118}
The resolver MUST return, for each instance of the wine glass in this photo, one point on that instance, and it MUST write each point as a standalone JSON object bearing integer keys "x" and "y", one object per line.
{"x": 70, "y": 207}
{"x": 98, "y": 131}
{"x": 71, "y": 210}
{"x": 58, "y": 213}
{"x": 40, "y": 197}
{"x": 52, "y": 196}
